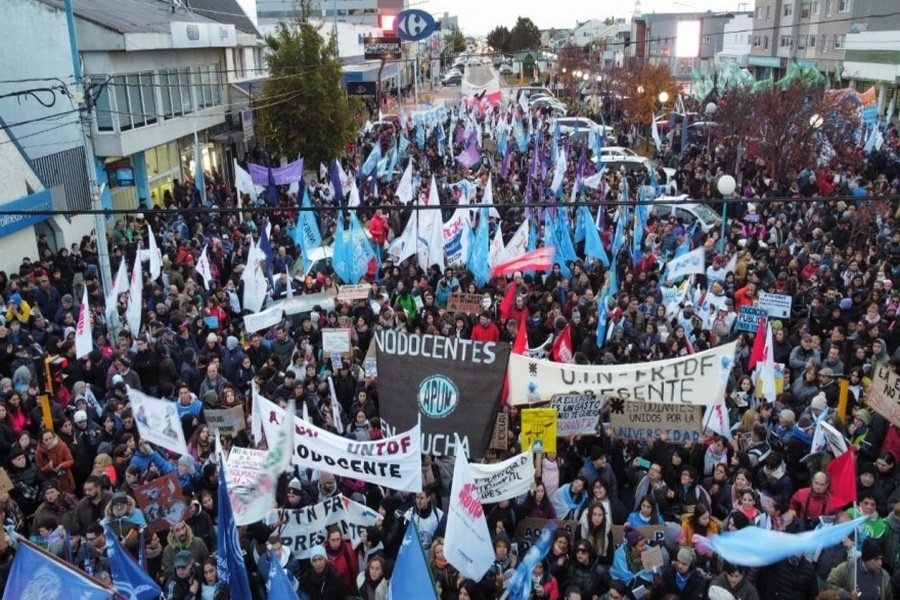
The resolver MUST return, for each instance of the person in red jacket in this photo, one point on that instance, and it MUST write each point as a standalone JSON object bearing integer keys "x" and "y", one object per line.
{"x": 341, "y": 557}
{"x": 486, "y": 330}
{"x": 378, "y": 228}
{"x": 809, "y": 503}
{"x": 744, "y": 296}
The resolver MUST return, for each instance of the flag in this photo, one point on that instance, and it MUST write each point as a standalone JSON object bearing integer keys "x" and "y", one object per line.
{"x": 495, "y": 251}
{"x": 593, "y": 245}
{"x": 842, "y": 473}
{"x": 478, "y": 255}
{"x": 766, "y": 367}
{"x": 470, "y": 156}
{"x": 306, "y": 233}
{"x": 203, "y": 268}
{"x": 758, "y": 547}
{"x": 341, "y": 260}
{"x": 84, "y": 340}
{"x": 519, "y": 584}
{"x": 405, "y": 186}
{"x": 372, "y": 160}
{"x": 155, "y": 256}
{"x": 158, "y": 421}
{"x": 199, "y": 182}
{"x": 412, "y": 578}
{"x": 685, "y": 127}
{"x": 732, "y": 264}
{"x": 759, "y": 345}
{"x": 37, "y": 575}
{"x": 717, "y": 419}
{"x": 289, "y": 288}
{"x": 559, "y": 171}
{"x": 602, "y": 320}
{"x": 243, "y": 183}
{"x": 254, "y": 279}
{"x": 562, "y": 346}
{"x": 467, "y": 543}
{"x": 654, "y": 130}
{"x": 688, "y": 263}
{"x": 826, "y": 437}
{"x": 509, "y": 300}
{"x": 265, "y": 246}
{"x": 127, "y": 576}
{"x": 540, "y": 259}
{"x": 278, "y": 587}
{"x": 335, "y": 408}
{"x": 336, "y": 177}
{"x": 229, "y": 555}
{"x": 135, "y": 300}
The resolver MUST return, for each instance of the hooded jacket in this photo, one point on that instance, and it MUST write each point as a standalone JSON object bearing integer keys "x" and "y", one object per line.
{"x": 194, "y": 544}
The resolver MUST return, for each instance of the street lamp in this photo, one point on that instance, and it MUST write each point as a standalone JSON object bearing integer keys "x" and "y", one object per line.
{"x": 640, "y": 89}
{"x": 726, "y": 186}
{"x": 816, "y": 121}
{"x": 663, "y": 97}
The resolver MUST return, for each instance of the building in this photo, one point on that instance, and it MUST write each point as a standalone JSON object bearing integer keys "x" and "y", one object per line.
{"x": 872, "y": 50}
{"x": 355, "y": 12}
{"x": 736, "y": 40}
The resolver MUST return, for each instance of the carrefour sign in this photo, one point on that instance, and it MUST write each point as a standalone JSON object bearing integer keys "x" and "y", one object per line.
{"x": 11, "y": 223}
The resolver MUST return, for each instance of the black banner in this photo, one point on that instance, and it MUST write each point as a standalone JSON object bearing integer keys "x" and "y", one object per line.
{"x": 361, "y": 89}
{"x": 383, "y": 48}
{"x": 454, "y": 384}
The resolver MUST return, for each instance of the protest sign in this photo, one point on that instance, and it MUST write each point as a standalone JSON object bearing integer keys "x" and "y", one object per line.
{"x": 228, "y": 421}
{"x": 645, "y": 421}
{"x": 884, "y": 395}
{"x": 301, "y": 529}
{"x": 467, "y": 303}
{"x": 530, "y": 528}
{"x": 370, "y": 366}
{"x": 577, "y": 414}
{"x": 394, "y": 462}
{"x": 652, "y": 558}
{"x": 697, "y": 379}
{"x": 158, "y": 421}
{"x": 359, "y": 291}
{"x": 244, "y": 464}
{"x": 688, "y": 263}
{"x": 775, "y": 305}
{"x": 305, "y": 303}
{"x": 162, "y": 502}
{"x": 653, "y": 533}
{"x": 751, "y": 319}
{"x": 335, "y": 341}
{"x": 504, "y": 480}
{"x": 539, "y": 425}
{"x": 499, "y": 441}
{"x": 6, "y": 483}
{"x": 452, "y": 384}
{"x": 263, "y": 320}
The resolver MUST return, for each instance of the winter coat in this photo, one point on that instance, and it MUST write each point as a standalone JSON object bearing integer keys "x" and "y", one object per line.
{"x": 744, "y": 590}
{"x": 790, "y": 579}
{"x": 667, "y": 583}
{"x": 381, "y": 589}
{"x": 841, "y": 579}
{"x": 326, "y": 585}
{"x": 62, "y": 461}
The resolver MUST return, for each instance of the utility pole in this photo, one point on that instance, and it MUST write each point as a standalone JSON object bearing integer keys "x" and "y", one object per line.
{"x": 85, "y": 106}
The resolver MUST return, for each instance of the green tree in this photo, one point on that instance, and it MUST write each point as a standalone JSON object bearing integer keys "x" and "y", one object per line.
{"x": 499, "y": 38}
{"x": 457, "y": 42}
{"x": 303, "y": 109}
{"x": 524, "y": 35}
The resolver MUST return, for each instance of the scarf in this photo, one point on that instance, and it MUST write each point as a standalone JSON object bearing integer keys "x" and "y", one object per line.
{"x": 802, "y": 435}
{"x": 441, "y": 563}
{"x": 750, "y": 513}
{"x": 681, "y": 580}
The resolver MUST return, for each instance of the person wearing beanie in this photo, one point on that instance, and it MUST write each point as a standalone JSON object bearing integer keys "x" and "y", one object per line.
{"x": 867, "y": 483}
{"x": 680, "y": 578}
{"x": 57, "y": 505}
{"x": 860, "y": 436}
{"x": 597, "y": 466}
{"x": 231, "y": 358}
{"x": 871, "y": 580}
{"x": 125, "y": 520}
{"x": 322, "y": 582}
{"x": 627, "y": 564}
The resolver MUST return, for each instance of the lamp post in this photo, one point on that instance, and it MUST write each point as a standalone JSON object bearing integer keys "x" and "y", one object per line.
{"x": 726, "y": 186}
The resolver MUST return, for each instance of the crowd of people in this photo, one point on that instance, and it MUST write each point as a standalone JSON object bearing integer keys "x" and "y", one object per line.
{"x": 838, "y": 258}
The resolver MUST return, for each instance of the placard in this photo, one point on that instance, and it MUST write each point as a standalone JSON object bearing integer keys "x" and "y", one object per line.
{"x": 884, "y": 395}
{"x": 337, "y": 362}
{"x": 349, "y": 293}
{"x": 751, "y": 319}
{"x": 244, "y": 464}
{"x": 776, "y": 305}
{"x": 162, "y": 502}
{"x": 254, "y": 322}
{"x": 530, "y": 528}
{"x": 646, "y": 421}
{"x": 467, "y": 303}
{"x": 228, "y": 421}
{"x": 577, "y": 414}
{"x": 335, "y": 340}
{"x": 370, "y": 366}
{"x": 504, "y": 480}
{"x": 539, "y": 425}
{"x": 652, "y": 558}
{"x": 500, "y": 439}
{"x": 654, "y": 533}
{"x": 301, "y": 529}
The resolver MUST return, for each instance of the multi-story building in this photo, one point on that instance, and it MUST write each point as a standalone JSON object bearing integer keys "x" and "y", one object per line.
{"x": 356, "y": 12}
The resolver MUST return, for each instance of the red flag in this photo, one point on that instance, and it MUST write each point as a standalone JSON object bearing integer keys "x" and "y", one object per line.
{"x": 520, "y": 345}
{"x": 562, "y": 347}
{"x": 842, "y": 472}
{"x": 759, "y": 346}
{"x": 540, "y": 259}
{"x": 509, "y": 300}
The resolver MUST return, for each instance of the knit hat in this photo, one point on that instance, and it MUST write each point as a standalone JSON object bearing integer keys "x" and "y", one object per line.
{"x": 686, "y": 555}
{"x": 119, "y": 497}
{"x": 818, "y": 401}
{"x": 864, "y": 415}
{"x": 871, "y": 549}
{"x": 50, "y": 484}
{"x": 634, "y": 537}
{"x": 212, "y": 337}
{"x": 719, "y": 593}
{"x": 788, "y": 416}
{"x": 596, "y": 452}
{"x": 295, "y": 485}
{"x": 15, "y": 298}
{"x": 576, "y": 314}
{"x": 317, "y": 551}
{"x": 80, "y": 416}
{"x": 231, "y": 343}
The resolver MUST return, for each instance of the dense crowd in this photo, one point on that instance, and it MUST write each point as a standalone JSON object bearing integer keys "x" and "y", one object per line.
{"x": 838, "y": 258}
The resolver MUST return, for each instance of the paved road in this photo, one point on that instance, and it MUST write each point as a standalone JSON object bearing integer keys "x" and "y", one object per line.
{"x": 479, "y": 75}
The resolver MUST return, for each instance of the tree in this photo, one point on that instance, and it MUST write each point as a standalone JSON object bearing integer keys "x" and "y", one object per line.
{"x": 499, "y": 38}
{"x": 303, "y": 109}
{"x": 457, "y": 42}
{"x": 642, "y": 87}
{"x": 524, "y": 35}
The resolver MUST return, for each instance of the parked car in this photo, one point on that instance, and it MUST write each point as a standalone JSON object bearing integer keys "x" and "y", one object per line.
{"x": 569, "y": 125}
{"x": 638, "y": 163}
{"x": 617, "y": 151}
{"x": 531, "y": 89}
{"x": 556, "y": 107}
{"x": 686, "y": 210}
{"x": 452, "y": 80}
{"x": 506, "y": 70}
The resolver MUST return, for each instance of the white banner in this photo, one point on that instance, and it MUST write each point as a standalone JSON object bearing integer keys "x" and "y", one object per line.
{"x": 687, "y": 264}
{"x": 467, "y": 544}
{"x": 158, "y": 421}
{"x": 394, "y": 462}
{"x": 697, "y": 379}
{"x": 577, "y": 414}
{"x": 456, "y": 238}
{"x": 254, "y": 322}
{"x": 303, "y": 528}
{"x": 504, "y": 480}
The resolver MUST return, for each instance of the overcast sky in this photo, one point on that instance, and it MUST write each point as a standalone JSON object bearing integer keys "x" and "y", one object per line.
{"x": 478, "y": 17}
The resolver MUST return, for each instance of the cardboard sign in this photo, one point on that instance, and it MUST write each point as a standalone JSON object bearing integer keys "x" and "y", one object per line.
{"x": 539, "y": 425}
{"x": 654, "y": 533}
{"x": 577, "y": 414}
{"x": 467, "y": 303}
{"x": 501, "y": 431}
{"x": 349, "y": 293}
{"x": 751, "y": 319}
{"x": 335, "y": 340}
{"x": 6, "y": 483}
{"x": 646, "y": 421}
{"x": 244, "y": 464}
{"x": 370, "y": 365}
{"x": 228, "y": 421}
{"x": 652, "y": 558}
{"x": 530, "y": 528}
{"x": 884, "y": 395}
{"x": 776, "y": 305}
{"x": 162, "y": 502}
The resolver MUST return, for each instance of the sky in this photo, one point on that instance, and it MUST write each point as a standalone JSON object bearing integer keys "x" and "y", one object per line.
{"x": 478, "y": 17}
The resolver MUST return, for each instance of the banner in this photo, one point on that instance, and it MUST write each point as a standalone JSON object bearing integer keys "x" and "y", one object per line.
{"x": 539, "y": 425}
{"x": 688, "y": 263}
{"x": 499, "y": 439}
{"x": 472, "y": 304}
{"x": 467, "y": 543}
{"x": 285, "y": 175}
{"x": 577, "y": 414}
{"x": 646, "y": 422}
{"x": 452, "y": 384}
{"x": 244, "y": 464}
{"x": 751, "y": 319}
{"x": 457, "y": 239}
{"x": 303, "y": 528}
{"x": 359, "y": 291}
{"x": 884, "y": 395}
{"x": 529, "y": 529}
{"x": 694, "y": 379}
{"x": 227, "y": 421}
{"x": 254, "y": 322}
{"x": 158, "y": 421}
{"x": 394, "y": 462}
{"x": 162, "y": 502}
{"x": 504, "y": 480}
{"x": 776, "y": 305}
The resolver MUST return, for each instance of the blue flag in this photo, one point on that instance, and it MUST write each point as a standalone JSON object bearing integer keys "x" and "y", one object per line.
{"x": 36, "y": 574}
{"x": 602, "y": 320}
{"x": 478, "y": 254}
{"x": 532, "y": 243}
{"x": 278, "y": 586}
{"x": 420, "y": 135}
{"x": 229, "y": 555}
{"x": 335, "y": 175}
{"x": 404, "y": 145}
{"x": 341, "y": 260}
{"x": 552, "y": 238}
{"x": 360, "y": 250}
{"x": 266, "y": 247}
{"x": 306, "y": 234}
{"x": 128, "y": 577}
{"x": 372, "y": 160}
{"x": 412, "y": 577}
{"x": 618, "y": 239}
{"x": 520, "y": 583}
{"x": 593, "y": 245}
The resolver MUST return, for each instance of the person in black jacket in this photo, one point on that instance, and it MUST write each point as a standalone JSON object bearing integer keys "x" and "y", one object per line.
{"x": 793, "y": 578}
{"x": 680, "y": 578}
{"x": 322, "y": 582}
{"x": 584, "y": 572}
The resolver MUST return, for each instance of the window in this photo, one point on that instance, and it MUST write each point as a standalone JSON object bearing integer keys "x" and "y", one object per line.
{"x": 759, "y": 12}
{"x": 786, "y": 41}
{"x": 812, "y": 42}
{"x": 756, "y": 41}
{"x": 103, "y": 105}
{"x": 237, "y": 55}
{"x": 839, "y": 41}
{"x": 768, "y": 13}
{"x": 843, "y": 6}
{"x": 135, "y": 100}
{"x": 805, "y": 10}
{"x": 765, "y": 42}
{"x": 824, "y": 48}
{"x": 801, "y": 42}
{"x": 788, "y": 10}
{"x": 815, "y": 8}
{"x": 184, "y": 82}
{"x": 176, "y": 93}
{"x": 827, "y": 8}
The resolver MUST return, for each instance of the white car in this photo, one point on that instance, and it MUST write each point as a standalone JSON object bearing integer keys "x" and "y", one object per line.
{"x": 686, "y": 210}
{"x": 568, "y": 125}
{"x": 506, "y": 70}
{"x": 556, "y": 107}
{"x": 617, "y": 151}
{"x": 636, "y": 163}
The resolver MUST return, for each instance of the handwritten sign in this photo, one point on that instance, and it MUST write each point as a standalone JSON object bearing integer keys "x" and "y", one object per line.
{"x": 530, "y": 528}
{"x": 647, "y": 421}
{"x": 467, "y": 303}
{"x": 228, "y": 421}
{"x": 501, "y": 432}
{"x": 244, "y": 465}
{"x": 776, "y": 305}
{"x": 751, "y": 319}
{"x": 652, "y": 558}
{"x": 370, "y": 365}
{"x": 335, "y": 340}
{"x": 884, "y": 395}
{"x": 539, "y": 425}
{"x": 577, "y": 414}
{"x": 348, "y": 293}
